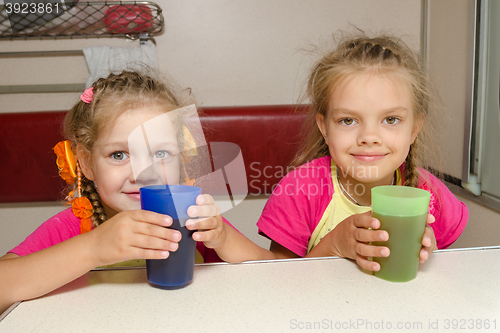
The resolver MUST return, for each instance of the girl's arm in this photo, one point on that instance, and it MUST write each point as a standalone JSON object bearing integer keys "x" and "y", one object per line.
{"x": 348, "y": 239}
{"x": 230, "y": 245}
{"x": 281, "y": 252}
{"x": 128, "y": 235}
{"x": 41, "y": 272}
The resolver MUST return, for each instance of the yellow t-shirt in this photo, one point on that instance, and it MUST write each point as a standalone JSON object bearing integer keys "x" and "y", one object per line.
{"x": 339, "y": 208}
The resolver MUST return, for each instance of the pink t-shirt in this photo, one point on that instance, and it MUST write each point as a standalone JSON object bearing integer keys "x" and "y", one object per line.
{"x": 66, "y": 225}
{"x": 298, "y": 203}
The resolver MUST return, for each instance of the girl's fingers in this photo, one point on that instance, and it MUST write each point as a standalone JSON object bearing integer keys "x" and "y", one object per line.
{"x": 365, "y": 235}
{"x": 203, "y": 223}
{"x": 430, "y": 219}
{"x": 159, "y": 232}
{"x": 205, "y": 206}
{"x": 366, "y": 221}
{"x": 153, "y": 243}
{"x": 426, "y": 250}
{"x": 366, "y": 250}
{"x": 150, "y": 217}
{"x": 136, "y": 235}
{"x": 206, "y": 236}
{"x": 363, "y": 262}
{"x": 194, "y": 224}
{"x": 205, "y": 199}
{"x": 150, "y": 233}
{"x": 427, "y": 238}
{"x": 140, "y": 253}
{"x": 424, "y": 255}
{"x": 203, "y": 211}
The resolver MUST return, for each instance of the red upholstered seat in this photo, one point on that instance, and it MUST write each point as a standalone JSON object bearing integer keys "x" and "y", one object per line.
{"x": 267, "y": 135}
{"x": 28, "y": 172}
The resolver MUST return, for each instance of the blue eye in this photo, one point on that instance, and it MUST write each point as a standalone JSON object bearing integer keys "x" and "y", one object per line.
{"x": 161, "y": 154}
{"x": 118, "y": 155}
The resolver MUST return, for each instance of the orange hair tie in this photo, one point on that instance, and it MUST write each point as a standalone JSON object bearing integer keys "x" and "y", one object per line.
{"x": 66, "y": 161}
{"x": 69, "y": 170}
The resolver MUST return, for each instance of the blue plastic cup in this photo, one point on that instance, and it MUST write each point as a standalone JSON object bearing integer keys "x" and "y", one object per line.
{"x": 176, "y": 271}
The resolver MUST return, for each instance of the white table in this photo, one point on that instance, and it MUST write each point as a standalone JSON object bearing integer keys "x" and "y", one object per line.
{"x": 454, "y": 289}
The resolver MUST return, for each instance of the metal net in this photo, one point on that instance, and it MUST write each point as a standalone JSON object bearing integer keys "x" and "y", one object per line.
{"x": 23, "y": 19}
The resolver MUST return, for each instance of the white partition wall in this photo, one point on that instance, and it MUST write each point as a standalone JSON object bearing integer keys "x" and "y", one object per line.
{"x": 486, "y": 151}
{"x": 230, "y": 52}
{"x": 450, "y": 45}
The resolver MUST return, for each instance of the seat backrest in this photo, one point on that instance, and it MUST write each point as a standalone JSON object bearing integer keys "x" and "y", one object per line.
{"x": 267, "y": 135}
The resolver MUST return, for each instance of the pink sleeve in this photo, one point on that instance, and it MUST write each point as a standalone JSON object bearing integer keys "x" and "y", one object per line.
{"x": 451, "y": 214}
{"x": 296, "y": 206}
{"x": 55, "y": 230}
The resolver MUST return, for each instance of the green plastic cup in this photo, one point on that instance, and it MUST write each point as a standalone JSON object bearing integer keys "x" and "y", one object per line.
{"x": 402, "y": 212}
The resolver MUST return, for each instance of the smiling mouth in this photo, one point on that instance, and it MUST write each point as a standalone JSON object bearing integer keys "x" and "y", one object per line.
{"x": 133, "y": 195}
{"x": 368, "y": 158}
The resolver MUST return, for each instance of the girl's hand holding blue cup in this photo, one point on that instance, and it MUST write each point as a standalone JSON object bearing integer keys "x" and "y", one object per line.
{"x": 211, "y": 228}
{"x": 133, "y": 234}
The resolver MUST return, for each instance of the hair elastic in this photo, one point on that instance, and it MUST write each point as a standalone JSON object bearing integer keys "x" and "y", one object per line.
{"x": 69, "y": 170}
{"x": 87, "y": 96}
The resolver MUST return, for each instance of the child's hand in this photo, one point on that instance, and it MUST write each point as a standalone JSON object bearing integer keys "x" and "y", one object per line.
{"x": 211, "y": 227}
{"x": 134, "y": 234}
{"x": 351, "y": 238}
{"x": 428, "y": 240}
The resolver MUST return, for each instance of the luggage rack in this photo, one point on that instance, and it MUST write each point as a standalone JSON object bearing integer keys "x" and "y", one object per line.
{"x": 56, "y": 19}
{"x": 68, "y": 20}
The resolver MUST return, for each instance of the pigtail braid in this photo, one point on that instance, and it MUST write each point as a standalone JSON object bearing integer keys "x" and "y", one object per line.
{"x": 411, "y": 170}
{"x": 90, "y": 192}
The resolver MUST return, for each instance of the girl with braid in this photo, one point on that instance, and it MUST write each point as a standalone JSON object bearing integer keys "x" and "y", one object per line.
{"x": 105, "y": 224}
{"x": 369, "y": 103}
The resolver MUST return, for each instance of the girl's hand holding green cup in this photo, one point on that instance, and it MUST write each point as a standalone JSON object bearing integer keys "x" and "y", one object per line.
{"x": 429, "y": 244}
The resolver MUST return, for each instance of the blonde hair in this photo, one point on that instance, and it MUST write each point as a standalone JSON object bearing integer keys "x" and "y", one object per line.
{"x": 382, "y": 55}
{"x": 112, "y": 96}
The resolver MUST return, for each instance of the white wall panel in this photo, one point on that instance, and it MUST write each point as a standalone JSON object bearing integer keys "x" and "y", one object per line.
{"x": 230, "y": 52}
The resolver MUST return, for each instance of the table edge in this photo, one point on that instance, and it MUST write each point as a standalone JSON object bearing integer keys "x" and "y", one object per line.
{"x": 481, "y": 248}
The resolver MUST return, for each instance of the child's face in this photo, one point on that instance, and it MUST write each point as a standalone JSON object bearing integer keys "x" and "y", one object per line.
{"x": 370, "y": 127}
{"x": 111, "y": 160}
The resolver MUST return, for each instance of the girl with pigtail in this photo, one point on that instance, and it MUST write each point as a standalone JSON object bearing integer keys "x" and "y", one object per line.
{"x": 105, "y": 224}
{"x": 370, "y": 101}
